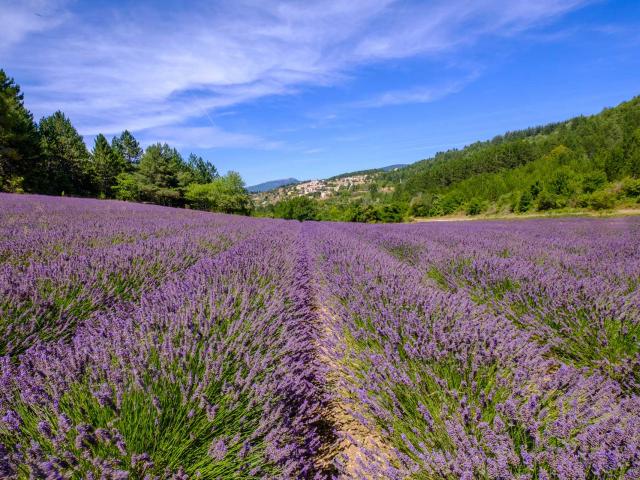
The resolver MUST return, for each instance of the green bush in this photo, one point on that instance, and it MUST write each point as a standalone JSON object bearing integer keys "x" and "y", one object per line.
{"x": 593, "y": 181}
{"x": 562, "y": 182}
{"x": 631, "y": 187}
{"x": 524, "y": 204}
{"x": 12, "y": 184}
{"x": 422, "y": 206}
{"x": 583, "y": 201}
{"x": 390, "y": 213}
{"x": 536, "y": 188}
{"x": 127, "y": 187}
{"x": 223, "y": 194}
{"x": 547, "y": 201}
{"x": 474, "y": 207}
{"x": 297, "y": 208}
{"x": 376, "y": 213}
{"x": 602, "y": 200}
{"x": 450, "y": 202}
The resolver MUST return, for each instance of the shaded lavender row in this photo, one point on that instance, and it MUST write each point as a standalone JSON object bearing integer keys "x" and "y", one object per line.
{"x": 455, "y": 389}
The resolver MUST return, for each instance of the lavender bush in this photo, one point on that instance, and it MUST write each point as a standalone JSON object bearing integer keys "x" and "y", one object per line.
{"x": 145, "y": 342}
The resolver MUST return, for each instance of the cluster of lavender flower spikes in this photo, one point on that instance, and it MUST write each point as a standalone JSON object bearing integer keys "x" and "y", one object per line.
{"x": 145, "y": 342}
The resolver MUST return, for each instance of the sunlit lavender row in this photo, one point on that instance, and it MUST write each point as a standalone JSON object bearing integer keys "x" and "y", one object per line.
{"x": 146, "y": 342}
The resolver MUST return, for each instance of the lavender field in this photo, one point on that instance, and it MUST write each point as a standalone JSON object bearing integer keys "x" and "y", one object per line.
{"x": 143, "y": 342}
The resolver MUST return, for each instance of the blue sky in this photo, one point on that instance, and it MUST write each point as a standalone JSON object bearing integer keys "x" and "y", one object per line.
{"x": 311, "y": 89}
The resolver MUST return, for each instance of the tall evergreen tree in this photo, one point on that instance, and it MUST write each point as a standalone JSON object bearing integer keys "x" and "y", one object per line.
{"x": 107, "y": 164}
{"x": 160, "y": 169}
{"x": 203, "y": 171}
{"x": 128, "y": 148}
{"x": 19, "y": 144}
{"x": 66, "y": 160}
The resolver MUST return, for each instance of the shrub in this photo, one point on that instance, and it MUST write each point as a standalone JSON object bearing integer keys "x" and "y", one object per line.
{"x": 474, "y": 207}
{"x": 127, "y": 187}
{"x": 450, "y": 202}
{"x": 390, "y": 213}
{"x": 536, "y": 188}
{"x": 297, "y": 208}
{"x": 524, "y": 204}
{"x": 422, "y": 206}
{"x": 12, "y": 184}
{"x": 602, "y": 200}
{"x": 223, "y": 194}
{"x": 631, "y": 187}
{"x": 547, "y": 201}
{"x": 562, "y": 182}
{"x": 593, "y": 181}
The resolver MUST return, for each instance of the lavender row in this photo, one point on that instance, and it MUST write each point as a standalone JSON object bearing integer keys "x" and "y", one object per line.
{"x": 455, "y": 390}
{"x": 210, "y": 376}
{"x": 57, "y": 276}
{"x": 573, "y": 283}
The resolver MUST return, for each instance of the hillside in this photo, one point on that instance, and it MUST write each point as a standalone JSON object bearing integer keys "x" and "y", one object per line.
{"x": 589, "y": 162}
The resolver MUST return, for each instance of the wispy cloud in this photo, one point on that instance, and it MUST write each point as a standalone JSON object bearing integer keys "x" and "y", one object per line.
{"x": 203, "y": 137}
{"x": 153, "y": 69}
{"x": 420, "y": 94}
{"x": 23, "y": 17}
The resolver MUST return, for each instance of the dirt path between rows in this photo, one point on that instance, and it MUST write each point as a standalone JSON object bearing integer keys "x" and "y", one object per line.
{"x": 349, "y": 445}
{"x": 354, "y": 439}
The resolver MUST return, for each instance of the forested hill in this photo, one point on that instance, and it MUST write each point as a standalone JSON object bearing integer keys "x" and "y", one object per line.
{"x": 572, "y": 163}
{"x": 596, "y": 137}
{"x": 588, "y": 162}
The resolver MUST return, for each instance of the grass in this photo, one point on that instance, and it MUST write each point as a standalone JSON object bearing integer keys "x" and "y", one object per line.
{"x": 559, "y": 213}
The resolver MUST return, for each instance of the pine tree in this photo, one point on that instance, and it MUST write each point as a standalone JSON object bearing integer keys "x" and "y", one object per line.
{"x": 107, "y": 164}
{"x": 19, "y": 144}
{"x": 66, "y": 160}
{"x": 128, "y": 148}
{"x": 202, "y": 170}
{"x": 159, "y": 170}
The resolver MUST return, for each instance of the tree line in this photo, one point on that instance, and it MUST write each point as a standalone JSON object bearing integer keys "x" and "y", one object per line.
{"x": 50, "y": 157}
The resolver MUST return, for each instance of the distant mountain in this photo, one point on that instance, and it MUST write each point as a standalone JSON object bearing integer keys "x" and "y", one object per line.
{"x": 393, "y": 167}
{"x": 272, "y": 185}
{"x": 370, "y": 171}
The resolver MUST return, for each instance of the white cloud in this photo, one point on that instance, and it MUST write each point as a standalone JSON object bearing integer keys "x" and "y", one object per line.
{"x": 202, "y": 137}
{"x": 422, "y": 94}
{"x": 150, "y": 69}
{"x": 23, "y": 17}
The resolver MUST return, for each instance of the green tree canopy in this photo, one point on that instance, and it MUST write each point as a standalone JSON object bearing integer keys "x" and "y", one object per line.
{"x": 224, "y": 194}
{"x": 201, "y": 170}
{"x": 158, "y": 175}
{"x": 128, "y": 148}
{"x": 160, "y": 166}
{"x": 107, "y": 165}
{"x": 19, "y": 143}
{"x": 66, "y": 164}
{"x": 297, "y": 208}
